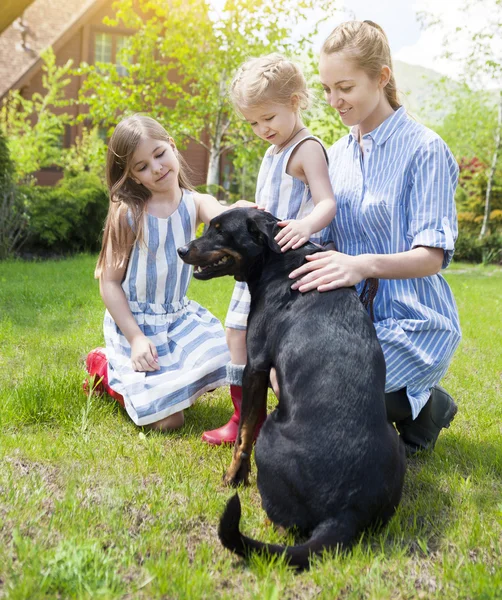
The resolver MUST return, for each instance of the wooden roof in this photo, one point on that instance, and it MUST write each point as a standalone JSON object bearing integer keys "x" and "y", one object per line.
{"x": 44, "y": 23}
{"x": 11, "y": 10}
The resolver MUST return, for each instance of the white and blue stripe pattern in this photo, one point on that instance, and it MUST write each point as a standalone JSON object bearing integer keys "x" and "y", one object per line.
{"x": 190, "y": 341}
{"x": 286, "y": 197}
{"x": 400, "y": 195}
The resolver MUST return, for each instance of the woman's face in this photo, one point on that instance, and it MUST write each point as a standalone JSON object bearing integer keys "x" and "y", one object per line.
{"x": 358, "y": 99}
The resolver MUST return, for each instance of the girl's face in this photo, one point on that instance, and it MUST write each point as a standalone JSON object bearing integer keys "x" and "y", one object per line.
{"x": 154, "y": 164}
{"x": 272, "y": 122}
{"x": 358, "y": 99}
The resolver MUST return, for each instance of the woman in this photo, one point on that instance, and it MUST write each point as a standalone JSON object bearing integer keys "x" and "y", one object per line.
{"x": 394, "y": 181}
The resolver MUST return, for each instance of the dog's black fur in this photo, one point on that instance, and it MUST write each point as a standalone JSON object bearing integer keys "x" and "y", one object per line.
{"x": 328, "y": 461}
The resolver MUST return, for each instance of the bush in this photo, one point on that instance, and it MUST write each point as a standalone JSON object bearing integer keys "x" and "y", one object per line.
{"x": 68, "y": 217}
{"x": 13, "y": 222}
{"x": 470, "y": 248}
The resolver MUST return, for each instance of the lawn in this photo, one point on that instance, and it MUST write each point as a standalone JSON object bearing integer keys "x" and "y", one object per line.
{"x": 92, "y": 506}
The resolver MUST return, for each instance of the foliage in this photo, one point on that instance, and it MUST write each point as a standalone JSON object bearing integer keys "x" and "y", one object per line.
{"x": 186, "y": 54}
{"x": 478, "y": 50}
{"x": 88, "y": 154}
{"x": 35, "y": 127}
{"x": 68, "y": 217}
{"x": 468, "y": 131}
{"x": 12, "y": 216}
{"x": 6, "y": 164}
{"x": 470, "y": 248}
{"x": 470, "y": 197}
{"x": 468, "y": 126}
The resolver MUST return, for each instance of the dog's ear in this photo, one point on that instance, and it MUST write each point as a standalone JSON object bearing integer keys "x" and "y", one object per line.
{"x": 262, "y": 230}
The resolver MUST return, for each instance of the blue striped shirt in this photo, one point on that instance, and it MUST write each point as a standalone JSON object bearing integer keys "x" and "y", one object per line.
{"x": 396, "y": 196}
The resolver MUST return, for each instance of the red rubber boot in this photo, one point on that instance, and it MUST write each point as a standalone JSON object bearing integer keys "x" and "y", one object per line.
{"x": 97, "y": 365}
{"x": 227, "y": 434}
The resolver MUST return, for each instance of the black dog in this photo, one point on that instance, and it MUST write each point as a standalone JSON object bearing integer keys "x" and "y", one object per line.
{"x": 328, "y": 461}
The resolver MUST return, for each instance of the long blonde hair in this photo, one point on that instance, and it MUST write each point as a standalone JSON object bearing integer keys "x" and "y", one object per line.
{"x": 368, "y": 47}
{"x": 128, "y": 199}
{"x": 271, "y": 78}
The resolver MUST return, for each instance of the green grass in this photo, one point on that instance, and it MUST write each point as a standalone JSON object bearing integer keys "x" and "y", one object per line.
{"x": 91, "y": 506}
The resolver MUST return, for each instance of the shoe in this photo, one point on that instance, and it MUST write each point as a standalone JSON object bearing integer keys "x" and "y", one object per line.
{"x": 227, "y": 434}
{"x": 97, "y": 365}
{"x": 422, "y": 433}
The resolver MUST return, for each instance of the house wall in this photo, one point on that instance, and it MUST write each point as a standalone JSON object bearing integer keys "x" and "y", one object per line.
{"x": 80, "y": 48}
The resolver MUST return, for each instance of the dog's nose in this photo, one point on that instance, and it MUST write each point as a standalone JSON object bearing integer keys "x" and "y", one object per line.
{"x": 183, "y": 251}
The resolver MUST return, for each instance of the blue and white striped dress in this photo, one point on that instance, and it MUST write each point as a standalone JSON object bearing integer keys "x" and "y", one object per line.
{"x": 286, "y": 197}
{"x": 190, "y": 341}
{"x": 400, "y": 195}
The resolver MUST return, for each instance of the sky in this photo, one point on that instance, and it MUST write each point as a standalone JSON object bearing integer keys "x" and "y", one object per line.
{"x": 408, "y": 41}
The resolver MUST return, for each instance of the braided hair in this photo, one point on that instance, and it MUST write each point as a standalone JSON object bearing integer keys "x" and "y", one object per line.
{"x": 271, "y": 78}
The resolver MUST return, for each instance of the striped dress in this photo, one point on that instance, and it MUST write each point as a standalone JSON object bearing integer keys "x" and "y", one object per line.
{"x": 286, "y": 197}
{"x": 395, "y": 197}
{"x": 190, "y": 341}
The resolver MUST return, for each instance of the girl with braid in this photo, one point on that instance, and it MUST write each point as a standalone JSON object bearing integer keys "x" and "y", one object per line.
{"x": 293, "y": 184}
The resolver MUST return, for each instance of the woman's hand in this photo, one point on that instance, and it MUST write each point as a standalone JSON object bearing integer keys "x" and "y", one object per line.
{"x": 144, "y": 356}
{"x": 329, "y": 271}
{"x": 294, "y": 234}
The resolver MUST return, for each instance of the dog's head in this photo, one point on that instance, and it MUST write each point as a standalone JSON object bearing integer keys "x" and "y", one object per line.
{"x": 232, "y": 243}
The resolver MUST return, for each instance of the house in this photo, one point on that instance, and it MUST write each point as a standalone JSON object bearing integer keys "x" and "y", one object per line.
{"x": 75, "y": 30}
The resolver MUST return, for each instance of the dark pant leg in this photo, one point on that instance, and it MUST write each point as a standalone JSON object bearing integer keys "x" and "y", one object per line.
{"x": 397, "y": 405}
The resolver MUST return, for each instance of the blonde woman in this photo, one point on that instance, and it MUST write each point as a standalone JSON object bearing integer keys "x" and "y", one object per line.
{"x": 395, "y": 182}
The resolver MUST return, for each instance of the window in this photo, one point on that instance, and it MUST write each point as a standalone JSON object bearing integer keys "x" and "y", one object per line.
{"x": 103, "y": 48}
{"x": 107, "y": 47}
{"x": 121, "y": 41}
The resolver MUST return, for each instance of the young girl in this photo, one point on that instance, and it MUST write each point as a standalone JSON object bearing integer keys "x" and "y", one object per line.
{"x": 163, "y": 350}
{"x": 293, "y": 184}
{"x": 395, "y": 183}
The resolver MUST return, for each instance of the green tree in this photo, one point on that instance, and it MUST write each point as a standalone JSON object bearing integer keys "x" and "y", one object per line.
{"x": 477, "y": 47}
{"x": 468, "y": 131}
{"x": 181, "y": 61}
{"x": 88, "y": 154}
{"x": 33, "y": 128}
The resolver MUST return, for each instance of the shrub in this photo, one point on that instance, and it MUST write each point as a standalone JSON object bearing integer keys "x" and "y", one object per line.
{"x": 12, "y": 216}
{"x": 68, "y": 217}
{"x": 470, "y": 248}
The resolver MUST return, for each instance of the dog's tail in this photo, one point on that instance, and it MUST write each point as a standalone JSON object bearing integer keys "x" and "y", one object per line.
{"x": 338, "y": 532}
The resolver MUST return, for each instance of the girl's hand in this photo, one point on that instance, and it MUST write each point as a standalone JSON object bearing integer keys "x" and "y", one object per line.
{"x": 294, "y": 234}
{"x": 246, "y": 204}
{"x": 329, "y": 271}
{"x": 144, "y": 356}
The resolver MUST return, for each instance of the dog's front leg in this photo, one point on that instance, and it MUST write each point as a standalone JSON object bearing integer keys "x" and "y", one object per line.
{"x": 254, "y": 403}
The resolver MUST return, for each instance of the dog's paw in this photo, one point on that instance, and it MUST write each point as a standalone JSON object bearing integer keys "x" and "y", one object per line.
{"x": 237, "y": 474}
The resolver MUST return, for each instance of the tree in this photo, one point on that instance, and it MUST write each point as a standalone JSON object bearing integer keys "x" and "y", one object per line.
{"x": 468, "y": 131}
{"x": 478, "y": 47}
{"x": 33, "y": 128}
{"x": 181, "y": 61}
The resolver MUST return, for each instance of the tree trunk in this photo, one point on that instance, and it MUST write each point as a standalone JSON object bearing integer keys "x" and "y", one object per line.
{"x": 213, "y": 170}
{"x": 491, "y": 177}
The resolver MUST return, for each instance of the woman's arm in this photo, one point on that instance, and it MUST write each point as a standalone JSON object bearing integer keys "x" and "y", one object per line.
{"x": 309, "y": 164}
{"x": 330, "y": 270}
{"x": 143, "y": 352}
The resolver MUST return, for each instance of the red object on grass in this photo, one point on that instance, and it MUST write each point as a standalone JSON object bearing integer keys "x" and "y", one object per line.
{"x": 97, "y": 365}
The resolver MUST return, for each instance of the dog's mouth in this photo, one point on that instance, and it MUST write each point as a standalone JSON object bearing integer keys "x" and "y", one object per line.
{"x": 217, "y": 268}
